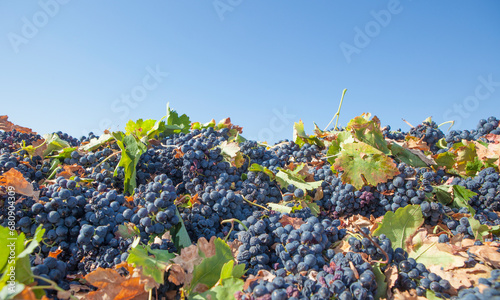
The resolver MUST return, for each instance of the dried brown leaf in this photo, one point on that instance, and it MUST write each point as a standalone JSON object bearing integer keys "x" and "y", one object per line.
{"x": 111, "y": 285}
{"x": 490, "y": 152}
{"x": 319, "y": 194}
{"x": 176, "y": 274}
{"x": 295, "y": 222}
{"x": 234, "y": 246}
{"x": 407, "y": 295}
{"x": 72, "y": 170}
{"x": 487, "y": 254}
{"x": 188, "y": 259}
{"x": 207, "y": 247}
{"x": 416, "y": 143}
{"x": 15, "y": 179}
{"x": 6, "y": 125}
{"x": 391, "y": 276}
{"x": 462, "y": 277}
{"x": 494, "y": 138}
{"x": 55, "y": 253}
{"x": 261, "y": 275}
{"x": 26, "y": 294}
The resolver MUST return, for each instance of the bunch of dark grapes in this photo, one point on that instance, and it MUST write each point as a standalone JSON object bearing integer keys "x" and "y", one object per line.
{"x": 487, "y": 201}
{"x": 430, "y": 133}
{"x": 10, "y": 140}
{"x": 255, "y": 250}
{"x": 345, "y": 200}
{"x": 155, "y": 210}
{"x": 484, "y": 127}
{"x": 393, "y": 135}
{"x": 411, "y": 275}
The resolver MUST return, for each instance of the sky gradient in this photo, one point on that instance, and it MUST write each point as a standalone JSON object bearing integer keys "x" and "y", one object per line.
{"x": 81, "y": 66}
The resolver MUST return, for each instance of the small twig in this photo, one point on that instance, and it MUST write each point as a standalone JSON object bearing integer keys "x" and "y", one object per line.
{"x": 408, "y": 123}
{"x": 376, "y": 245}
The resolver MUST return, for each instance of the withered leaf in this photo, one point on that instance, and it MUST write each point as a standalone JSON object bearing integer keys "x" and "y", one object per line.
{"x": 15, "y": 179}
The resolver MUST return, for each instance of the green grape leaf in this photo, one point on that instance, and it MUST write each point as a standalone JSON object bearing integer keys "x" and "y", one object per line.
{"x": 406, "y": 156}
{"x": 287, "y": 177}
{"x": 53, "y": 143}
{"x": 368, "y": 132}
{"x": 179, "y": 233}
{"x": 381, "y": 283}
{"x": 127, "y": 230}
{"x": 230, "y": 270}
{"x": 430, "y": 295}
{"x": 198, "y": 125}
{"x": 465, "y": 157}
{"x": 442, "y": 194}
{"x": 343, "y": 137}
{"x": 130, "y": 155}
{"x": 97, "y": 142}
{"x": 181, "y": 123}
{"x": 300, "y": 137}
{"x": 462, "y": 197}
{"x": 4, "y": 255}
{"x": 154, "y": 262}
{"x": 445, "y": 159}
{"x": 315, "y": 209}
{"x": 139, "y": 128}
{"x": 400, "y": 225}
{"x": 157, "y": 128}
{"x": 363, "y": 165}
{"x": 209, "y": 270}
{"x": 18, "y": 256}
{"x": 226, "y": 290}
{"x": 480, "y": 230}
{"x": 238, "y": 271}
{"x": 258, "y": 168}
{"x": 279, "y": 207}
{"x": 37, "y": 238}
{"x": 63, "y": 153}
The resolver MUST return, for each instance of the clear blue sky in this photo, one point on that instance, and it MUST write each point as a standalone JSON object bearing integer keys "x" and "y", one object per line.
{"x": 78, "y": 66}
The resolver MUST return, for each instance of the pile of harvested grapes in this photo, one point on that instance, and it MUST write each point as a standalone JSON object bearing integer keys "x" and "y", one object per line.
{"x": 174, "y": 209}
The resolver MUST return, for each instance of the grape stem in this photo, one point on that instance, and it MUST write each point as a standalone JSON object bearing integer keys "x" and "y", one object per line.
{"x": 232, "y": 222}
{"x": 386, "y": 261}
{"x": 254, "y": 203}
{"x": 232, "y": 226}
{"x": 52, "y": 286}
{"x": 452, "y": 122}
{"x": 337, "y": 114}
{"x": 116, "y": 153}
